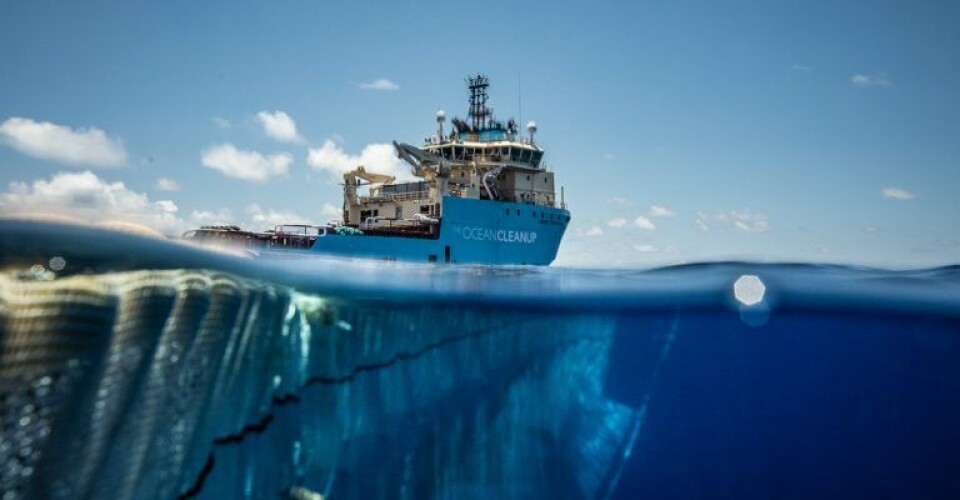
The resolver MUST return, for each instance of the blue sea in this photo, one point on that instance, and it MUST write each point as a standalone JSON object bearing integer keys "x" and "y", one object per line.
{"x": 137, "y": 367}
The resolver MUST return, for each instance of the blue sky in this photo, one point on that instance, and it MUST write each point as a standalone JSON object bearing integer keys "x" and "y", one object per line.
{"x": 682, "y": 131}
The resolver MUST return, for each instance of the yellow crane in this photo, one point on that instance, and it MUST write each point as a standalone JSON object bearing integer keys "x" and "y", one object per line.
{"x": 350, "y": 182}
{"x": 350, "y": 177}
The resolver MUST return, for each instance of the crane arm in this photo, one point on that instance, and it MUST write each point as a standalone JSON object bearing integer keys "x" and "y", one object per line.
{"x": 421, "y": 160}
{"x": 360, "y": 172}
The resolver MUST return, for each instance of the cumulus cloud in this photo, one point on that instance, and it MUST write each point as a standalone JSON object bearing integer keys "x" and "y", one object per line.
{"x": 167, "y": 184}
{"x": 618, "y": 222}
{"x": 246, "y": 165}
{"x": 331, "y": 212}
{"x": 219, "y": 217}
{"x": 85, "y": 196}
{"x": 594, "y": 231}
{"x": 874, "y": 80}
{"x": 644, "y": 223}
{"x": 49, "y": 141}
{"x": 896, "y": 193}
{"x": 660, "y": 211}
{"x": 742, "y": 220}
{"x": 645, "y": 248}
{"x": 379, "y": 84}
{"x": 278, "y": 125}
{"x": 379, "y": 158}
{"x": 261, "y": 218}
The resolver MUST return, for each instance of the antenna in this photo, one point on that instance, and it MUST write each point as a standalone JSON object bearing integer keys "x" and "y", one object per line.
{"x": 478, "y": 100}
{"x": 519, "y": 99}
{"x": 441, "y": 117}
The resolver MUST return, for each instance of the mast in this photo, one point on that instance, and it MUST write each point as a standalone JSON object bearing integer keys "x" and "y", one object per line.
{"x": 479, "y": 112}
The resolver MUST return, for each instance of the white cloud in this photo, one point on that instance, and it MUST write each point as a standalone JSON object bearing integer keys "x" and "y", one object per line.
{"x": 261, "y": 218}
{"x": 644, "y": 223}
{"x": 379, "y": 158}
{"x": 620, "y": 201}
{"x": 166, "y": 184}
{"x": 84, "y": 196}
{"x": 875, "y": 80}
{"x": 212, "y": 218}
{"x": 221, "y": 123}
{"x": 801, "y": 67}
{"x": 49, "y": 141}
{"x": 246, "y": 165}
{"x": 618, "y": 222}
{"x": 897, "y": 193}
{"x": 645, "y": 248}
{"x": 609, "y": 156}
{"x": 331, "y": 212}
{"x": 379, "y": 84}
{"x": 749, "y": 221}
{"x": 594, "y": 231}
{"x": 742, "y": 220}
{"x": 659, "y": 211}
{"x": 278, "y": 125}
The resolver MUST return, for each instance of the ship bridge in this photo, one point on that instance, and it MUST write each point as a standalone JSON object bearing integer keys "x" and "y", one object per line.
{"x": 480, "y": 158}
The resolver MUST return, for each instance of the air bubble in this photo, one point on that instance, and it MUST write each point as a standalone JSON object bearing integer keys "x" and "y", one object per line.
{"x": 749, "y": 290}
{"x": 57, "y": 263}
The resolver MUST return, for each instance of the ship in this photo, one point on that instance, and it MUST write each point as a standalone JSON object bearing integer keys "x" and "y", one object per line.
{"x": 481, "y": 194}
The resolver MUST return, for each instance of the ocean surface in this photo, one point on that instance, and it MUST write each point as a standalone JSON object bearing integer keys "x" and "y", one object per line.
{"x": 136, "y": 367}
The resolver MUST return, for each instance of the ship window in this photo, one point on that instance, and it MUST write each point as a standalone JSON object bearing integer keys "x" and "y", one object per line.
{"x": 528, "y": 177}
{"x": 537, "y": 156}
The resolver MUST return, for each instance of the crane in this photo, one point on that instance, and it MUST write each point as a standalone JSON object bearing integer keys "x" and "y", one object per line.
{"x": 350, "y": 182}
{"x": 350, "y": 177}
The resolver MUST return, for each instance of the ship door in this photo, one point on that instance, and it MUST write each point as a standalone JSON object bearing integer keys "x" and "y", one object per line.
{"x": 446, "y": 254}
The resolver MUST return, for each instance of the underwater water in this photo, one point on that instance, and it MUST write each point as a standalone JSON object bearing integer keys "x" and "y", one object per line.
{"x": 133, "y": 367}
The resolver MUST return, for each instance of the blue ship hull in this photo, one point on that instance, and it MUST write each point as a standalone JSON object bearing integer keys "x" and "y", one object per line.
{"x": 471, "y": 232}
